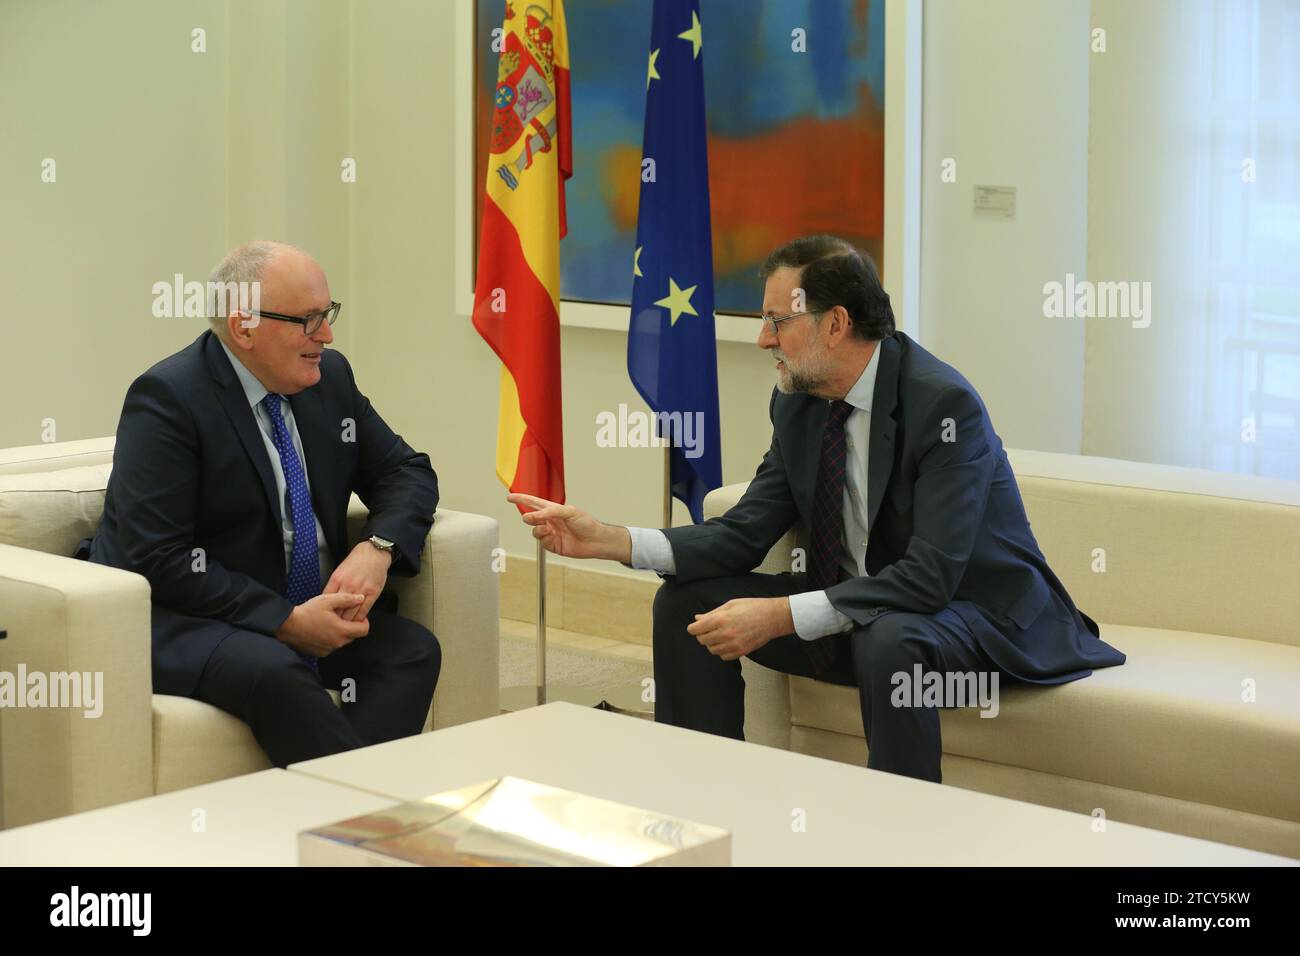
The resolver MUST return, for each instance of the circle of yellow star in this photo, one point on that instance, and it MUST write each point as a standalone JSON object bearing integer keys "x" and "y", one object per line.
{"x": 651, "y": 73}
{"x": 694, "y": 34}
{"x": 677, "y": 302}
{"x": 636, "y": 261}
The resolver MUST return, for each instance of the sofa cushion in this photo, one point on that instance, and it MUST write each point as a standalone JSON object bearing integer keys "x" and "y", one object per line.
{"x": 1170, "y": 721}
{"x": 195, "y": 743}
{"x": 52, "y": 510}
{"x": 54, "y": 456}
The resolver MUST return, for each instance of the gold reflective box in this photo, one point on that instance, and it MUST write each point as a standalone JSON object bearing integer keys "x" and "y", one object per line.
{"x": 514, "y": 822}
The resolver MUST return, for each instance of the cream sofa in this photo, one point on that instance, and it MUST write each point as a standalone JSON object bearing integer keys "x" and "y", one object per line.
{"x": 62, "y": 615}
{"x": 1199, "y": 732}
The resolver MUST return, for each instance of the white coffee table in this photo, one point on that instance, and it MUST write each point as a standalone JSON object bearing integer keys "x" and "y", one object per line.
{"x": 852, "y": 816}
{"x": 248, "y": 821}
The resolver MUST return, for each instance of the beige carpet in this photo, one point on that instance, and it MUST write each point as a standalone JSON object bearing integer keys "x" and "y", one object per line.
{"x": 588, "y": 670}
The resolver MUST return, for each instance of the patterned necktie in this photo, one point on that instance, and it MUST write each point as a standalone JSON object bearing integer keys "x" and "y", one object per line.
{"x": 304, "y": 569}
{"x": 826, "y": 545}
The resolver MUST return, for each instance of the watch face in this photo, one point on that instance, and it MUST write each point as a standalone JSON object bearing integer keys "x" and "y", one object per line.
{"x": 381, "y": 542}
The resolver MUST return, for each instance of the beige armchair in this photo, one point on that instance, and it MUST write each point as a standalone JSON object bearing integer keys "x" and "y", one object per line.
{"x": 62, "y": 615}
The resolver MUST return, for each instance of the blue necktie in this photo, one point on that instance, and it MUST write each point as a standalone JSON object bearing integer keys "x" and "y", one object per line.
{"x": 304, "y": 567}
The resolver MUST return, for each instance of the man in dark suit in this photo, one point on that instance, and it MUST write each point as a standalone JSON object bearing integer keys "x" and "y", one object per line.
{"x": 920, "y": 553}
{"x": 234, "y": 463}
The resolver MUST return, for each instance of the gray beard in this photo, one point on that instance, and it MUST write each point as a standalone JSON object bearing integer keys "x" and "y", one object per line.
{"x": 798, "y": 380}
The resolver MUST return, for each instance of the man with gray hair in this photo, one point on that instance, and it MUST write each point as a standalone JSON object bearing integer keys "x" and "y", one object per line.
{"x": 234, "y": 463}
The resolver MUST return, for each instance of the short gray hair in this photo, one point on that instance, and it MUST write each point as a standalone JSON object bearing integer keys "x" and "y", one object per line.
{"x": 244, "y": 264}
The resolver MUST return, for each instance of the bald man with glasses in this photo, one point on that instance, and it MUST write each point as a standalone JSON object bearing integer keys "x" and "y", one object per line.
{"x": 234, "y": 463}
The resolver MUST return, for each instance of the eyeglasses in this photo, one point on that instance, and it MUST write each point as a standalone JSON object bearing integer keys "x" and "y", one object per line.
{"x": 311, "y": 322}
{"x": 772, "y": 323}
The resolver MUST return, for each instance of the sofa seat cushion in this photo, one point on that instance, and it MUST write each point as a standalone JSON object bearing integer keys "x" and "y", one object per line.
{"x": 1170, "y": 721}
{"x": 195, "y": 743}
{"x": 51, "y": 511}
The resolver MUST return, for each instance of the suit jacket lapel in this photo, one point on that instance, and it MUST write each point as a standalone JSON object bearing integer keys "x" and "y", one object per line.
{"x": 319, "y": 447}
{"x": 235, "y": 402}
{"x": 884, "y": 400}
{"x": 805, "y": 454}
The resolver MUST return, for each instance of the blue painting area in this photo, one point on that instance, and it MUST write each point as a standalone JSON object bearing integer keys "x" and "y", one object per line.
{"x": 609, "y": 48}
{"x": 754, "y": 83}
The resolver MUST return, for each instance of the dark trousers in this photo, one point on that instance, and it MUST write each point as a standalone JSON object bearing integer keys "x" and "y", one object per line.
{"x": 700, "y": 691}
{"x": 391, "y": 674}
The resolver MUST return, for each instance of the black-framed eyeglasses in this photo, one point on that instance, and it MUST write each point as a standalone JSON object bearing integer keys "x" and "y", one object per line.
{"x": 311, "y": 322}
{"x": 772, "y": 323}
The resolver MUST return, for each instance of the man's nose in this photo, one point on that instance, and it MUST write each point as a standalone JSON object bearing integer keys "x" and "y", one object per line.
{"x": 766, "y": 337}
{"x": 324, "y": 335}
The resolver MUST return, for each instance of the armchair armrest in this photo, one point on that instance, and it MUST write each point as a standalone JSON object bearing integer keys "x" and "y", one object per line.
{"x": 719, "y": 500}
{"x": 65, "y": 616}
{"x": 456, "y": 596}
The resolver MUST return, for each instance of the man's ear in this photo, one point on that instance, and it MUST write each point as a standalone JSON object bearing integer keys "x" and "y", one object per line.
{"x": 841, "y": 325}
{"x": 239, "y": 328}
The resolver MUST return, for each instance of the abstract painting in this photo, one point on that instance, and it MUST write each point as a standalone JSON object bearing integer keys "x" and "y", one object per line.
{"x": 795, "y": 93}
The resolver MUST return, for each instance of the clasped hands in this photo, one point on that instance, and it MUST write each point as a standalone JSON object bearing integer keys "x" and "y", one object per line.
{"x": 338, "y": 615}
{"x": 730, "y": 631}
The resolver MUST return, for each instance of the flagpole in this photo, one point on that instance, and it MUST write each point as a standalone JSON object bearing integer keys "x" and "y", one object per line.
{"x": 668, "y": 487}
{"x": 541, "y": 624}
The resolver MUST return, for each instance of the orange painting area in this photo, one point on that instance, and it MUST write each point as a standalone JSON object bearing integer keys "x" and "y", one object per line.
{"x": 807, "y": 176}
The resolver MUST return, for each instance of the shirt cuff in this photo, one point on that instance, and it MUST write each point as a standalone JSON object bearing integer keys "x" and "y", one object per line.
{"x": 815, "y": 617}
{"x": 652, "y": 551}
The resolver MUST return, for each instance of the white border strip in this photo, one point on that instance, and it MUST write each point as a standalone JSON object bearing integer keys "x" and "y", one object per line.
{"x": 902, "y": 266}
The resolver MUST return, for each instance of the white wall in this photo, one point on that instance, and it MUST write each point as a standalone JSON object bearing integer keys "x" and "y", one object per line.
{"x": 1006, "y": 95}
{"x": 135, "y": 123}
{"x": 1174, "y": 214}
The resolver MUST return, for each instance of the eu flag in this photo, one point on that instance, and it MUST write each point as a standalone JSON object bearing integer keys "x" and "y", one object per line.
{"x": 671, "y": 349}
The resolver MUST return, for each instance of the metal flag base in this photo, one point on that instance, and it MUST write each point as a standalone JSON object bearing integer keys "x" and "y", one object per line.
{"x": 626, "y": 701}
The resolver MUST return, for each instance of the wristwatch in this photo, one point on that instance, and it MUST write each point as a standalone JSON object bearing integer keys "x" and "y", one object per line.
{"x": 383, "y": 544}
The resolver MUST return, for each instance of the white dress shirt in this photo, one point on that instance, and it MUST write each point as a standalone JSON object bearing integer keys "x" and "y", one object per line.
{"x": 256, "y": 391}
{"x": 813, "y": 614}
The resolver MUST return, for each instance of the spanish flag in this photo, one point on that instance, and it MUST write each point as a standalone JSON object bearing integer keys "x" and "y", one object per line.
{"x": 517, "y": 292}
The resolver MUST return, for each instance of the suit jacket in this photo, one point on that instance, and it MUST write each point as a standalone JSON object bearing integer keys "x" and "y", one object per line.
{"x": 947, "y": 526}
{"x": 190, "y": 471}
